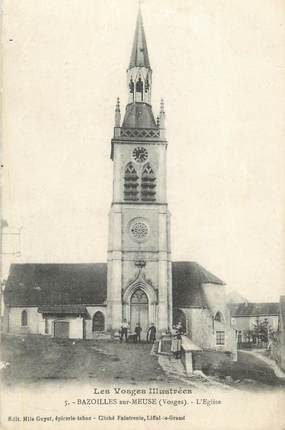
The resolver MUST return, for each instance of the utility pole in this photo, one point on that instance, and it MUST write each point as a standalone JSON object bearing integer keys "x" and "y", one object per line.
{"x": 3, "y": 225}
{"x": 16, "y": 253}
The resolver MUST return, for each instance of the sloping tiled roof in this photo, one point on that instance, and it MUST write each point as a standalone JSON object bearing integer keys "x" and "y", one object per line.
{"x": 253, "y": 309}
{"x": 63, "y": 309}
{"x": 187, "y": 278}
{"x": 54, "y": 284}
{"x": 138, "y": 115}
{"x": 46, "y": 285}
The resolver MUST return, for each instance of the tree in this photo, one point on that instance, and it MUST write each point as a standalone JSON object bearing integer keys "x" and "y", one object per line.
{"x": 261, "y": 331}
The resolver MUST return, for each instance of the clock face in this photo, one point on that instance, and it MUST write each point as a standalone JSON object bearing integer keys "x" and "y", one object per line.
{"x": 140, "y": 154}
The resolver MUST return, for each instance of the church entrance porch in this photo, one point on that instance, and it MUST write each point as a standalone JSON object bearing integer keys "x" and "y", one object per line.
{"x": 139, "y": 305}
{"x": 139, "y": 311}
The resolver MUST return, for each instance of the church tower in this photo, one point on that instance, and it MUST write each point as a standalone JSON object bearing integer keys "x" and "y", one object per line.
{"x": 139, "y": 286}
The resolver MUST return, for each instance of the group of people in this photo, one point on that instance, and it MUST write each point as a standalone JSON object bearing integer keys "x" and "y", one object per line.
{"x": 126, "y": 334}
{"x": 176, "y": 335}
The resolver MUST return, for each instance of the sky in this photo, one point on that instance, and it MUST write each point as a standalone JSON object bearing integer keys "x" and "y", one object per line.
{"x": 219, "y": 65}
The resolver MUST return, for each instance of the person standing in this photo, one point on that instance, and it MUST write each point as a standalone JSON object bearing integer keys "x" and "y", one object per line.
{"x": 151, "y": 334}
{"x": 138, "y": 331}
{"x": 180, "y": 328}
{"x": 179, "y": 344}
{"x": 176, "y": 341}
{"x": 124, "y": 330}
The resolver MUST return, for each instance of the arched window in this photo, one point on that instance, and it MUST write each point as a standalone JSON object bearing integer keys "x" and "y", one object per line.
{"x": 148, "y": 187}
{"x": 132, "y": 86}
{"x": 131, "y": 183}
{"x": 139, "y": 87}
{"x": 24, "y": 318}
{"x": 219, "y": 317}
{"x": 98, "y": 322}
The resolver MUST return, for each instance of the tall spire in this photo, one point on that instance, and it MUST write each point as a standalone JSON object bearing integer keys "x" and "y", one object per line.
{"x": 139, "y": 56}
{"x": 139, "y": 71}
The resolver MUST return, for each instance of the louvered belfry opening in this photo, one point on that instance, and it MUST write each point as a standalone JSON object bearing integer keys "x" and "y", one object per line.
{"x": 148, "y": 184}
{"x": 131, "y": 183}
{"x": 139, "y": 87}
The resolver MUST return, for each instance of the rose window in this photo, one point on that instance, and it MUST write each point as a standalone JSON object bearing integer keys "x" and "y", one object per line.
{"x": 139, "y": 230}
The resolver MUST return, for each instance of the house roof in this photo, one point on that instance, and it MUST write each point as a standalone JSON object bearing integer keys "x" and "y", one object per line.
{"x": 51, "y": 285}
{"x": 253, "y": 309}
{"x": 187, "y": 277}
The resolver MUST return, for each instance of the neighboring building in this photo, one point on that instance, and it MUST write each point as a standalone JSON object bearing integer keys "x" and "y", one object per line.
{"x": 245, "y": 315}
{"x": 139, "y": 281}
{"x": 277, "y": 341}
{"x": 282, "y": 332}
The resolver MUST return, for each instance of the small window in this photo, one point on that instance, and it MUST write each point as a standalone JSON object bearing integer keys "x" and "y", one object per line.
{"x": 24, "y": 318}
{"x": 220, "y": 337}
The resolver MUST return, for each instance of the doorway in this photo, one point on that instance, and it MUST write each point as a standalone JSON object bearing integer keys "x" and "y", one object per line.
{"x": 61, "y": 329}
{"x": 139, "y": 311}
{"x": 179, "y": 316}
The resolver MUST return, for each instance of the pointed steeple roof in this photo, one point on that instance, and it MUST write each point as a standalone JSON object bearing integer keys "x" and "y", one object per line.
{"x": 139, "y": 57}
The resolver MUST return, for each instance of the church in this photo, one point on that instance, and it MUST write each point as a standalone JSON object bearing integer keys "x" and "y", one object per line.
{"x": 139, "y": 283}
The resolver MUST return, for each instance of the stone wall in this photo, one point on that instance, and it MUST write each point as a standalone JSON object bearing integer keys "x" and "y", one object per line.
{"x": 205, "y": 359}
{"x": 36, "y": 324}
{"x": 201, "y": 328}
{"x": 89, "y": 322}
{"x": 216, "y": 299}
{"x": 123, "y": 272}
{"x": 13, "y": 320}
{"x": 75, "y": 326}
{"x": 124, "y": 250}
{"x": 157, "y": 158}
